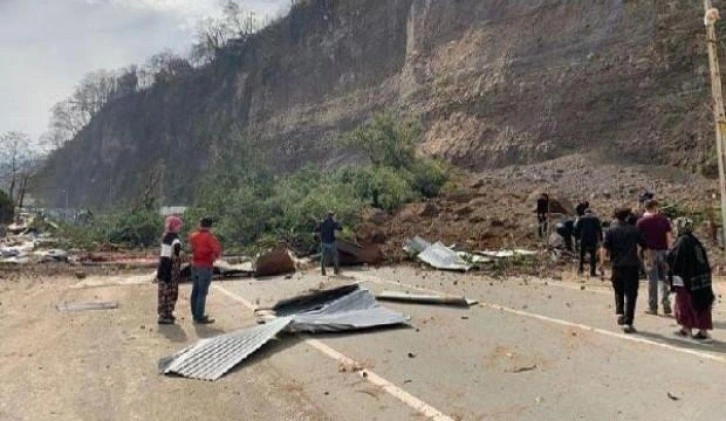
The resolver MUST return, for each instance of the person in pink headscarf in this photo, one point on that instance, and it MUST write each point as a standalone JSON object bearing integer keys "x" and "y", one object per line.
{"x": 169, "y": 270}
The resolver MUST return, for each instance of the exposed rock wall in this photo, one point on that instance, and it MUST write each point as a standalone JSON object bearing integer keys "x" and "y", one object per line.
{"x": 496, "y": 82}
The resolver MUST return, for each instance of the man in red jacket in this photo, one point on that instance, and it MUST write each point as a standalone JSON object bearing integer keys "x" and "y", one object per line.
{"x": 205, "y": 250}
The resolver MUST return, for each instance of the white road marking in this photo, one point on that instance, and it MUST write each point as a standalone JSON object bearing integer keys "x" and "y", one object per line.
{"x": 631, "y": 338}
{"x": 235, "y": 297}
{"x": 373, "y": 378}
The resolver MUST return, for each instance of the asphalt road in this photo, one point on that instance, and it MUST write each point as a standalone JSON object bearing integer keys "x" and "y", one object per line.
{"x": 531, "y": 350}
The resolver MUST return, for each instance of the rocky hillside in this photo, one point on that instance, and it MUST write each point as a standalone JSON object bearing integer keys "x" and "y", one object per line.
{"x": 496, "y": 82}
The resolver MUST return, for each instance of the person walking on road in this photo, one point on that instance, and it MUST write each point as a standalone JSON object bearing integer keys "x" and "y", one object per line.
{"x": 326, "y": 230}
{"x": 621, "y": 244}
{"x": 205, "y": 251}
{"x": 656, "y": 230}
{"x": 168, "y": 272}
{"x": 588, "y": 230}
{"x": 690, "y": 278}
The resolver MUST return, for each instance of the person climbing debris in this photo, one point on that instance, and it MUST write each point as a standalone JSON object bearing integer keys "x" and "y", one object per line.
{"x": 565, "y": 228}
{"x": 326, "y": 230}
{"x": 543, "y": 213}
{"x": 205, "y": 251}
{"x": 169, "y": 270}
{"x": 581, "y": 208}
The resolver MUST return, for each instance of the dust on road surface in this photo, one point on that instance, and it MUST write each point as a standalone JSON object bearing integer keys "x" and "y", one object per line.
{"x": 533, "y": 350}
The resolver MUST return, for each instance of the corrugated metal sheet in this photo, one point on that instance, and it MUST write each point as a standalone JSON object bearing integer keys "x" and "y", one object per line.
{"x": 341, "y": 309}
{"x": 357, "y": 310}
{"x": 210, "y": 359}
{"x": 313, "y": 301}
{"x": 441, "y": 257}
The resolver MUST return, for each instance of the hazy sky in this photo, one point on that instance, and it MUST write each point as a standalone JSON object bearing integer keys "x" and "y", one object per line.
{"x": 46, "y": 46}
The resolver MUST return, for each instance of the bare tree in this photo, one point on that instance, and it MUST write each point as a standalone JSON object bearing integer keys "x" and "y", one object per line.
{"x": 16, "y": 153}
{"x": 213, "y": 35}
{"x": 167, "y": 66}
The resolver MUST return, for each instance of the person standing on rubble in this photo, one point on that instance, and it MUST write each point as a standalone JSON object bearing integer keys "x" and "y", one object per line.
{"x": 205, "y": 251}
{"x": 621, "y": 243}
{"x": 566, "y": 229}
{"x": 168, "y": 272}
{"x": 543, "y": 214}
{"x": 326, "y": 230}
{"x": 588, "y": 230}
{"x": 656, "y": 230}
{"x": 581, "y": 208}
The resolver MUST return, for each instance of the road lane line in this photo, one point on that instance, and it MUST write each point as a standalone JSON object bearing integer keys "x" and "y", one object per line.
{"x": 235, "y": 297}
{"x": 373, "y": 378}
{"x": 631, "y": 338}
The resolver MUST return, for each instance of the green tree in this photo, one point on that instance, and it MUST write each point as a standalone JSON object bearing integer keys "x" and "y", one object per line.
{"x": 386, "y": 141}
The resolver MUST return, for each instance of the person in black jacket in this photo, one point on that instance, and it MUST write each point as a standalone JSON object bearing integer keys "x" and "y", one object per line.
{"x": 326, "y": 230}
{"x": 622, "y": 242}
{"x": 588, "y": 230}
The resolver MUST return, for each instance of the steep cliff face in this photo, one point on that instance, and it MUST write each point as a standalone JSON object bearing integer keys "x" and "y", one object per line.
{"x": 496, "y": 82}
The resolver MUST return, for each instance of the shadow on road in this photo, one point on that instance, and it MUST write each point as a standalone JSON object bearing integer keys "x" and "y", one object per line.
{"x": 708, "y": 346}
{"x": 207, "y": 331}
{"x": 173, "y": 333}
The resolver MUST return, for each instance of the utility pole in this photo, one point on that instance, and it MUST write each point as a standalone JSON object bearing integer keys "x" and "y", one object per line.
{"x": 719, "y": 115}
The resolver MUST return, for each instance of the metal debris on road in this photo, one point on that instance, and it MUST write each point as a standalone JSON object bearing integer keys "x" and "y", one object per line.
{"x": 441, "y": 257}
{"x": 346, "y": 308}
{"x": 210, "y": 359}
{"x": 404, "y": 297}
{"x": 311, "y": 301}
{"x": 354, "y": 311}
{"x": 103, "y": 305}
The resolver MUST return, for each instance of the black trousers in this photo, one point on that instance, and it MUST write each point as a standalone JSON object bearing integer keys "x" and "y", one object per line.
{"x": 542, "y": 225}
{"x": 592, "y": 250}
{"x": 625, "y": 284}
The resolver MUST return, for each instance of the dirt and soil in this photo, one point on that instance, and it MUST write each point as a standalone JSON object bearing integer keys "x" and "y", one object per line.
{"x": 496, "y": 209}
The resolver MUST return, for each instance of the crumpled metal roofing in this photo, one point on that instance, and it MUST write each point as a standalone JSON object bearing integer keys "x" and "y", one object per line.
{"x": 209, "y": 359}
{"x": 341, "y": 309}
{"x": 357, "y": 310}
{"x": 441, "y": 257}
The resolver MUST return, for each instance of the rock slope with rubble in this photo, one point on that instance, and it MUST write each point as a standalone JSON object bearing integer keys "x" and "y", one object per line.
{"x": 495, "y": 83}
{"x": 496, "y": 209}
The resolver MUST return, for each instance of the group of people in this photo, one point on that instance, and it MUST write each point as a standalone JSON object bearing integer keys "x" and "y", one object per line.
{"x": 644, "y": 243}
{"x": 205, "y": 249}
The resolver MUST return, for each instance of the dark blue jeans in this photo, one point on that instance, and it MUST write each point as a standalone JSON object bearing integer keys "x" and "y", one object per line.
{"x": 201, "y": 279}
{"x": 330, "y": 252}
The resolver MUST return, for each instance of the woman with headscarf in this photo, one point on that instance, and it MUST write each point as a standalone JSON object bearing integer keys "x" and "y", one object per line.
{"x": 169, "y": 270}
{"x": 690, "y": 276}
